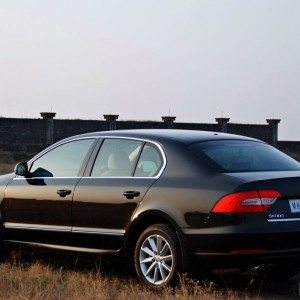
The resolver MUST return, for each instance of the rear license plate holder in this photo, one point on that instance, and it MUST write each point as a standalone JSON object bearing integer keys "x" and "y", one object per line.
{"x": 294, "y": 205}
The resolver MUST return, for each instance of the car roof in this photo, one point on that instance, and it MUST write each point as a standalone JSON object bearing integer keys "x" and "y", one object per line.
{"x": 184, "y": 136}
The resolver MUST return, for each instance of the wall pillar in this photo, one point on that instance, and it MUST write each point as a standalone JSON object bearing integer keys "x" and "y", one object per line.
{"x": 112, "y": 121}
{"x": 222, "y": 122}
{"x": 169, "y": 121}
{"x": 48, "y": 116}
{"x": 273, "y": 123}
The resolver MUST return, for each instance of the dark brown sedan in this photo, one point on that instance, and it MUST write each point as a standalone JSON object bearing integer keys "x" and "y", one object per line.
{"x": 161, "y": 198}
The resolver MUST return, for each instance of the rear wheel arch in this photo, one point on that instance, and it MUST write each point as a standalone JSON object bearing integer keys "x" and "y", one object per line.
{"x": 143, "y": 221}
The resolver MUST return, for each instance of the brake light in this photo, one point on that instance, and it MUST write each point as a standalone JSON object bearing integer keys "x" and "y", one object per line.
{"x": 246, "y": 202}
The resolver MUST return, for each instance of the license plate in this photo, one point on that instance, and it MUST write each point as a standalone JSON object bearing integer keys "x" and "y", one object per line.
{"x": 295, "y": 205}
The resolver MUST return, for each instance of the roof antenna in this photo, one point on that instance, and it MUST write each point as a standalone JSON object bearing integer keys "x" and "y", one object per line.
{"x": 51, "y": 108}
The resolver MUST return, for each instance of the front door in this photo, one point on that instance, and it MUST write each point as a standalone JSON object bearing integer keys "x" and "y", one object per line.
{"x": 37, "y": 209}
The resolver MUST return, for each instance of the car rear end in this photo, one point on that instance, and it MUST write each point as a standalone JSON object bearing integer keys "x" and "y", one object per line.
{"x": 259, "y": 221}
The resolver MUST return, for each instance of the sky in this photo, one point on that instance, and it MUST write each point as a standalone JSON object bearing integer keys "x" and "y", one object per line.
{"x": 142, "y": 59}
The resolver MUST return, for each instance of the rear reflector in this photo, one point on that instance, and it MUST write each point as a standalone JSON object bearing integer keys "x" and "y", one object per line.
{"x": 246, "y": 202}
{"x": 248, "y": 251}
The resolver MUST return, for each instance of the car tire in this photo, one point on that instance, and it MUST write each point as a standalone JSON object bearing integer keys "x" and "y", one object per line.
{"x": 158, "y": 256}
{"x": 3, "y": 249}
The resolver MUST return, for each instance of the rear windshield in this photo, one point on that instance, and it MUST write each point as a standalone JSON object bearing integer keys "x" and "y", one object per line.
{"x": 243, "y": 156}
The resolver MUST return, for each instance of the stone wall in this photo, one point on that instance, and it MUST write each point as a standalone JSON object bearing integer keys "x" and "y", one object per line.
{"x": 258, "y": 131}
{"x": 22, "y": 134}
{"x": 292, "y": 148}
{"x": 31, "y": 135}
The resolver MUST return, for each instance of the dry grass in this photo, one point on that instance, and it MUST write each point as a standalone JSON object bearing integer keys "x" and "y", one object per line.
{"x": 39, "y": 281}
{"x": 60, "y": 275}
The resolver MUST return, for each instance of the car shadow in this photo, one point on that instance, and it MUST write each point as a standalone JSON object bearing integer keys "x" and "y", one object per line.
{"x": 251, "y": 284}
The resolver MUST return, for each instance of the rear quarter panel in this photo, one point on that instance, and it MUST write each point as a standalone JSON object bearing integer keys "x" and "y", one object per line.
{"x": 187, "y": 189}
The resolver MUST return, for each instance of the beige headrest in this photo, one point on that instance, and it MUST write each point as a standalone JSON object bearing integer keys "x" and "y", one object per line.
{"x": 118, "y": 160}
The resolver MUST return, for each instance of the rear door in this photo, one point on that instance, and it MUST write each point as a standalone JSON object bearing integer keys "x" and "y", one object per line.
{"x": 105, "y": 199}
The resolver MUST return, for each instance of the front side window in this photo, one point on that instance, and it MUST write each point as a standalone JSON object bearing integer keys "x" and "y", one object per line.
{"x": 117, "y": 158}
{"x": 62, "y": 161}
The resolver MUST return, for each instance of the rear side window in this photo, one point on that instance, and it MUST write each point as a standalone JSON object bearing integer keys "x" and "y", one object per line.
{"x": 244, "y": 156}
{"x": 150, "y": 162}
{"x": 117, "y": 158}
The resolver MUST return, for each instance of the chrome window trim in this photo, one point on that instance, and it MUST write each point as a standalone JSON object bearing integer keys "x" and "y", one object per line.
{"x": 160, "y": 149}
{"x": 32, "y": 178}
{"x": 119, "y": 177}
{"x": 86, "y": 177}
{"x": 103, "y": 137}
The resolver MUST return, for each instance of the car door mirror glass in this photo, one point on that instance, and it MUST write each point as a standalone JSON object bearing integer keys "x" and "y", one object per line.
{"x": 21, "y": 169}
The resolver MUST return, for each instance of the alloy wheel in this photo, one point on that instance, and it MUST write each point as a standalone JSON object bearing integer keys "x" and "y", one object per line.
{"x": 156, "y": 259}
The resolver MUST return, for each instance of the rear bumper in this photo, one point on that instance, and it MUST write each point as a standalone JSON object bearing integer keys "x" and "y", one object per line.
{"x": 227, "y": 260}
{"x": 243, "y": 249}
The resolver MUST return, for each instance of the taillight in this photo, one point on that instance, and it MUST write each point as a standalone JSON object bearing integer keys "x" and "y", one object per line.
{"x": 246, "y": 202}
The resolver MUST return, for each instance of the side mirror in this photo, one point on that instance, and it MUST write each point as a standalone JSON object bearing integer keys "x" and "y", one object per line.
{"x": 21, "y": 169}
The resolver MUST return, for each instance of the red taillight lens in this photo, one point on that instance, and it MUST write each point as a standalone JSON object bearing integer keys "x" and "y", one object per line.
{"x": 246, "y": 202}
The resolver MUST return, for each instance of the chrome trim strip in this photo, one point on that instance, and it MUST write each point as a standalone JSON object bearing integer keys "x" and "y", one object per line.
{"x": 284, "y": 220}
{"x": 85, "y": 177}
{"x": 33, "y": 178}
{"x": 61, "y": 247}
{"x": 87, "y": 230}
{"x": 37, "y": 227}
{"x": 98, "y": 138}
{"x": 119, "y": 232}
{"x": 113, "y": 177}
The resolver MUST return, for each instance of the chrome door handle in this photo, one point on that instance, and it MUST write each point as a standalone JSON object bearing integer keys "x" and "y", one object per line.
{"x": 131, "y": 194}
{"x": 64, "y": 193}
